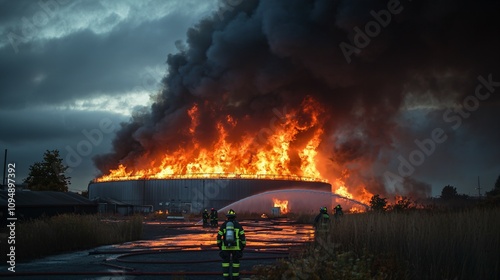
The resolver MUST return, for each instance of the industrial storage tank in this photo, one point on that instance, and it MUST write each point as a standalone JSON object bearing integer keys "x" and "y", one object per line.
{"x": 192, "y": 195}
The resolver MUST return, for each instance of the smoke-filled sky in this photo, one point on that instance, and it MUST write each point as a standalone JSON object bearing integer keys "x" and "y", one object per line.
{"x": 409, "y": 89}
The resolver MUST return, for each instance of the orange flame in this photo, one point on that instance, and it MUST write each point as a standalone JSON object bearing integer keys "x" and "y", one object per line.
{"x": 342, "y": 190}
{"x": 288, "y": 148}
{"x": 356, "y": 209}
{"x": 340, "y": 184}
{"x": 244, "y": 156}
{"x": 282, "y": 204}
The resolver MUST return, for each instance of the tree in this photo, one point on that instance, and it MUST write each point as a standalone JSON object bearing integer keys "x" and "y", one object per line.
{"x": 449, "y": 192}
{"x": 496, "y": 189}
{"x": 48, "y": 175}
{"x": 377, "y": 203}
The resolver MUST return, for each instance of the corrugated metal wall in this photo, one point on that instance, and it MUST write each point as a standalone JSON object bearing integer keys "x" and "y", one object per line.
{"x": 192, "y": 195}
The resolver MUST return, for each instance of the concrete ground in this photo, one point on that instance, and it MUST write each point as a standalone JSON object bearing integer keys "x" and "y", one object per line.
{"x": 169, "y": 250}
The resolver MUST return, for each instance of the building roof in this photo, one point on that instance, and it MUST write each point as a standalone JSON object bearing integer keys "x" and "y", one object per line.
{"x": 44, "y": 198}
{"x": 110, "y": 201}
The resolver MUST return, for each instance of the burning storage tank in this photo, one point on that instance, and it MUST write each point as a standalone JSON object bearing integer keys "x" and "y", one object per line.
{"x": 192, "y": 195}
{"x": 214, "y": 158}
{"x": 215, "y": 162}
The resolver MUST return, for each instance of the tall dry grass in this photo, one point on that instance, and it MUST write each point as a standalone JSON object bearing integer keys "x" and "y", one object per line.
{"x": 436, "y": 245}
{"x": 63, "y": 233}
{"x": 407, "y": 245}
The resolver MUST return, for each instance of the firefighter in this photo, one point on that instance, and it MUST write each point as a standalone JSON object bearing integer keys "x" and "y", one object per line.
{"x": 322, "y": 222}
{"x": 231, "y": 241}
{"x": 214, "y": 218}
{"x": 338, "y": 211}
{"x": 205, "y": 218}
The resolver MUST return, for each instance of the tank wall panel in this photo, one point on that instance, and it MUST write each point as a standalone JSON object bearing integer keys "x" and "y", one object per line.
{"x": 128, "y": 191}
{"x": 192, "y": 195}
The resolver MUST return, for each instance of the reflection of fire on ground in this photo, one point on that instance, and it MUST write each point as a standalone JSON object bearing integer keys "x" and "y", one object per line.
{"x": 261, "y": 235}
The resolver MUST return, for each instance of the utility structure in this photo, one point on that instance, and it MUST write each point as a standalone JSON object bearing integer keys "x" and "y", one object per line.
{"x": 478, "y": 186}
{"x": 4, "y": 168}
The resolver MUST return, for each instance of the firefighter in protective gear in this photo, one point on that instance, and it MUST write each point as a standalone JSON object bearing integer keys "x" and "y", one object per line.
{"x": 338, "y": 211}
{"x": 205, "y": 218}
{"x": 214, "y": 219}
{"x": 231, "y": 241}
{"x": 322, "y": 222}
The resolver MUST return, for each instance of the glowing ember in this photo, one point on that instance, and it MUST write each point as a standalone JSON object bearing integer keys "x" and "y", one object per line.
{"x": 282, "y": 204}
{"x": 356, "y": 209}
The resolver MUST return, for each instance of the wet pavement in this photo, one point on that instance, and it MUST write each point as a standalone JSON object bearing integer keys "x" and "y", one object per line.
{"x": 189, "y": 254}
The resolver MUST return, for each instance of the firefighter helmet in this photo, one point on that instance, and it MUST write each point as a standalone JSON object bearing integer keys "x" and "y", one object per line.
{"x": 231, "y": 213}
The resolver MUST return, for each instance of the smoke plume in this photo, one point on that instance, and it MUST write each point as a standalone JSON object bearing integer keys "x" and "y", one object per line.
{"x": 373, "y": 66}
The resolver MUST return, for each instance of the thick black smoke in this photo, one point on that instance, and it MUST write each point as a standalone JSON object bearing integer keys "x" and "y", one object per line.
{"x": 371, "y": 64}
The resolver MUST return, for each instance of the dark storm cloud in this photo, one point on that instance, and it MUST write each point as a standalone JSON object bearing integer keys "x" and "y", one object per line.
{"x": 16, "y": 10}
{"x": 84, "y": 64}
{"x": 76, "y": 134}
{"x": 27, "y": 127}
{"x": 67, "y": 66}
{"x": 470, "y": 148}
{"x": 270, "y": 54}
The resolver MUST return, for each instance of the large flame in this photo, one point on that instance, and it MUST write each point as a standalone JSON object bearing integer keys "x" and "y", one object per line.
{"x": 285, "y": 149}
{"x": 249, "y": 156}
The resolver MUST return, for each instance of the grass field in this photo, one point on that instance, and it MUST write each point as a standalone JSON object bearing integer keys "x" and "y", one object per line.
{"x": 413, "y": 244}
{"x": 64, "y": 233}
{"x": 416, "y": 244}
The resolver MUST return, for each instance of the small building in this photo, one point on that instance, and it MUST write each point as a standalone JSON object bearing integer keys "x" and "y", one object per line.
{"x": 35, "y": 204}
{"x": 113, "y": 206}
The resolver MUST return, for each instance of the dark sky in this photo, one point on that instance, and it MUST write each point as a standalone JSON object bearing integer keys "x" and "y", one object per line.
{"x": 413, "y": 85}
{"x": 67, "y": 67}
